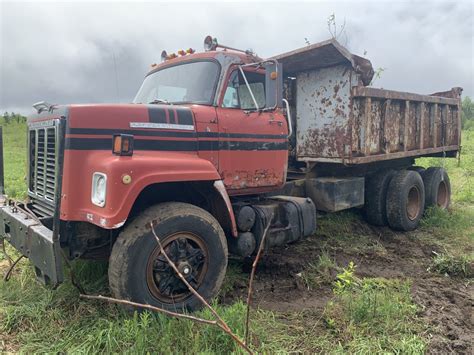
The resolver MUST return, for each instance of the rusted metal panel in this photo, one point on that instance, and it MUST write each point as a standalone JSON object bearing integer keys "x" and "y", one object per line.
{"x": 323, "y": 55}
{"x": 363, "y": 91}
{"x": 323, "y": 111}
{"x": 341, "y": 121}
{"x": 392, "y": 126}
{"x": 423, "y": 122}
{"x": 435, "y": 125}
{"x": 386, "y": 125}
{"x": 398, "y": 155}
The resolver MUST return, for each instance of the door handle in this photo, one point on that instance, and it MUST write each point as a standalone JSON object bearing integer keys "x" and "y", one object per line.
{"x": 214, "y": 120}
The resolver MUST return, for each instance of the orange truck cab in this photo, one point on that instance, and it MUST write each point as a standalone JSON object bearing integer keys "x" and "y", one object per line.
{"x": 216, "y": 147}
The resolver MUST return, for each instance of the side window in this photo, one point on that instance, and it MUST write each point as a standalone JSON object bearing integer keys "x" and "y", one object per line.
{"x": 237, "y": 94}
{"x": 231, "y": 96}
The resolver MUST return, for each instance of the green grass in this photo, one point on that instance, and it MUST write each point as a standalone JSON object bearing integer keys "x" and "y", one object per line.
{"x": 371, "y": 315}
{"x": 42, "y": 320}
{"x": 448, "y": 264}
{"x": 461, "y": 175}
{"x": 319, "y": 271}
{"x": 374, "y": 314}
{"x": 365, "y": 316}
{"x": 453, "y": 230}
{"x": 14, "y": 144}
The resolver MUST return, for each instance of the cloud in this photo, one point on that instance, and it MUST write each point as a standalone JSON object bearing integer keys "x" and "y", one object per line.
{"x": 64, "y": 52}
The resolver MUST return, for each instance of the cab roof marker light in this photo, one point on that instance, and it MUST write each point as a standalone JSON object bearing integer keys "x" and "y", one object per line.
{"x": 164, "y": 56}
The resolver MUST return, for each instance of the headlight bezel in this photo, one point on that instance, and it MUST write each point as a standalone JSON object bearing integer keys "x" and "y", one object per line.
{"x": 99, "y": 183}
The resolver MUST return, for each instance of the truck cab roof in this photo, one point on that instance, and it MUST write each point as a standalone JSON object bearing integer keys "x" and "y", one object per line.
{"x": 225, "y": 57}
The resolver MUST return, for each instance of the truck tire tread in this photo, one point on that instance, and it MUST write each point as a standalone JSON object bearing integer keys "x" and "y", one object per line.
{"x": 397, "y": 198}
{"x": 375, "y": 208}
{"x": 432, "y": 177}
{"x": 119, "y": 264}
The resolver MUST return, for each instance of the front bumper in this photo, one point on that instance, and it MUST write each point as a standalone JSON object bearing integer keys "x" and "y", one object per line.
{"x": 33, "y": 240}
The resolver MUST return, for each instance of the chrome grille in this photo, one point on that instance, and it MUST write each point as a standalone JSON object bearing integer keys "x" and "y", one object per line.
{"x": 42, "y": 168}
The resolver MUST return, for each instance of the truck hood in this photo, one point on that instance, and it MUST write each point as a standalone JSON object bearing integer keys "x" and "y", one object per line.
{"x": 118, "y": 117}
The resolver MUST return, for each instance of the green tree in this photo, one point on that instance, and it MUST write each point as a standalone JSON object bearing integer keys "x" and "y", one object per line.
{"x": 6, "y": 118}
{"x": 467, "y": 114}
{"x": 12, "y": 117}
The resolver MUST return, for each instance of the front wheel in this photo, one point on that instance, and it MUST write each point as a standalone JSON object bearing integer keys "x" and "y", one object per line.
{"x": 193, "y": 240}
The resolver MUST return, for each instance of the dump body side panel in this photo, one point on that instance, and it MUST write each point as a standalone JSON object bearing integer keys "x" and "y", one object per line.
{"x": 390, "y": 124}
{"x": 359, "y": 125}
{"x": 323, "y": 108}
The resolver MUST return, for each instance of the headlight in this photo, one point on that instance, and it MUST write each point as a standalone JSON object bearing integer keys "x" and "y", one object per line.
{"x": 99, "y": 189}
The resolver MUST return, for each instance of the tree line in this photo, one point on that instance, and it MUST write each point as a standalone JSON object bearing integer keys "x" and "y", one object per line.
{"x": 12, "y": 117}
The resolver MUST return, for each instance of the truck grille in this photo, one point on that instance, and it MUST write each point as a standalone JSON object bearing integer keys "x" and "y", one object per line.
{"x": 42, "y": 169}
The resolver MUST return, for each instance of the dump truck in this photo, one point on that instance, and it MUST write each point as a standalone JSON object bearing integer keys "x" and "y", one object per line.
{"x": 216, "y": 148}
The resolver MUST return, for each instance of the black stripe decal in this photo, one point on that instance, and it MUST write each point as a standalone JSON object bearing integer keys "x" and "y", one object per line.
{"x": 157, "y": 114}
{"x": 185, "y": 116}
{"x": 165, "y": 145}
{"x": 172, "y": 116}
{"x": 149, "y": 132}
{"x": 144, "y": 132}
{"x": 242, "y": 135}
{"x": 238, "y": 145}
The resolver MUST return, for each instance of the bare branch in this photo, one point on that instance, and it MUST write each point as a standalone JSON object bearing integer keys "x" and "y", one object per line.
{"x": 252, "y": 275}
{"x": 220, "y": 322}
{"x": 4, "y": 251}
{"x": 149, "y": 307}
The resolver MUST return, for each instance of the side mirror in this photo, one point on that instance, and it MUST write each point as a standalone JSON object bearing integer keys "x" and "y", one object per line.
{"x": 273, "y": 85}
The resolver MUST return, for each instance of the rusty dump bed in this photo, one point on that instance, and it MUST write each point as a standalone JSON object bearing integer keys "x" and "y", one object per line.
{"x": 341, "y": 120}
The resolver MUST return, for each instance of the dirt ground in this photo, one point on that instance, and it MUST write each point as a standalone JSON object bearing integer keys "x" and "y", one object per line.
{"x": 446, "y": 303}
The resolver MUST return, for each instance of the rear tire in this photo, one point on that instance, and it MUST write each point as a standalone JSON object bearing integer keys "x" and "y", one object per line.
{"x": 418, "y": 169}
{"x": 375, "y": 207}
{"x": 192, "y": 238}
{"x": 405, "y": 200}
{"x": 437, "y": 188}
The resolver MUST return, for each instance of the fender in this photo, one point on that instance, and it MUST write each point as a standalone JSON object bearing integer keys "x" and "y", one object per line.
{"x": 219, "y": 186}
{"x": 144, "y": 169}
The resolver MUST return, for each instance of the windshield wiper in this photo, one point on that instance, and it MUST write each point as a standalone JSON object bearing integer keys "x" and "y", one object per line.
{"x": 160, "y": 101}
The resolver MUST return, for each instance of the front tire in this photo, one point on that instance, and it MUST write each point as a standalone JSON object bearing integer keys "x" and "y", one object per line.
{"x": 194, "y": 241}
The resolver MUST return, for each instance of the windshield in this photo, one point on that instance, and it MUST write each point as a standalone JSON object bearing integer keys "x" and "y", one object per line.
{"x": 191, "y": 82}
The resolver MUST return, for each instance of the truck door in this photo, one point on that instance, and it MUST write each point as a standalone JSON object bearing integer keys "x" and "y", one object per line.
{"x": 253, "y": 151}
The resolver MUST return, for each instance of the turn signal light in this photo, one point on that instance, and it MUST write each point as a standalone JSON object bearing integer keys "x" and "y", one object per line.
{"x": 122, "y": 144}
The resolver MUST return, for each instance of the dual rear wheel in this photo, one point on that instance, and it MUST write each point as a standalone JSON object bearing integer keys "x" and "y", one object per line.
{"x": 399, "y": 197}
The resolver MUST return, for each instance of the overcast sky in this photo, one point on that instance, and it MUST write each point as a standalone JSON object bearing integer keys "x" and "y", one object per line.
{"x": 64, "y": 52}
